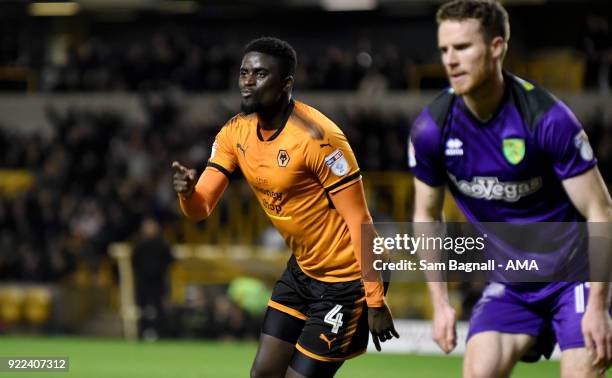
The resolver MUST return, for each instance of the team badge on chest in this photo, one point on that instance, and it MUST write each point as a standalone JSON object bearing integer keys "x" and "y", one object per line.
{"x": 282, "y": 158}
{"x": 514, "y": 150}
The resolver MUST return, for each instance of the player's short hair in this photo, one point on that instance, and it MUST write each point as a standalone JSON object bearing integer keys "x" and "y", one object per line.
{"x": 493, "y": 18}
{"x": 281, "y": 50}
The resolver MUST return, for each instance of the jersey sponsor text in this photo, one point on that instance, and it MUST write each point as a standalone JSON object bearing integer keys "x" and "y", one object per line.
{"x": 490, "y": 188}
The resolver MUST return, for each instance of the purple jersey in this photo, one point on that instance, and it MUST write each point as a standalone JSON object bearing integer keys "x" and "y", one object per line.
{"x": 510, "y": 168}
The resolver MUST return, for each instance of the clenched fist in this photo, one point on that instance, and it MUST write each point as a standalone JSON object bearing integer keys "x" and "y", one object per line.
{"x": 184, "y": 179}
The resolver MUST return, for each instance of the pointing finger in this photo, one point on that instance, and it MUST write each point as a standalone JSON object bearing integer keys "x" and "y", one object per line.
{"x": 178, "y": 167}
{"x": 376, "y": 342}
{"x": 394, "y": 332}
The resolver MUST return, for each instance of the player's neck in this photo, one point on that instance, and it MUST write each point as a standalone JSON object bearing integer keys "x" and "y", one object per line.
{"x": 484, "y": 102}
{"x": 274, "y": 117}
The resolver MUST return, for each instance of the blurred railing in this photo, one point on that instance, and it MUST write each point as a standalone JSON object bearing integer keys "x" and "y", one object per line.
{"x": 14, "y": 181}
{"x": 18, "y": 79}
{"x": 29, "y": 112}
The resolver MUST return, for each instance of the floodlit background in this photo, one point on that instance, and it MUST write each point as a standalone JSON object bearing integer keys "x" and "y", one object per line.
{"x": 98, "y": 97}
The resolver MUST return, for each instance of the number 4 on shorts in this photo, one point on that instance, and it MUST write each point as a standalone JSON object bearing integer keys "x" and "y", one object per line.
{"x": 334, "y": 317}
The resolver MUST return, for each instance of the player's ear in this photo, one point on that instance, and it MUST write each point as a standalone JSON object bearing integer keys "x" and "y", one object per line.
{"x": 288, "y": 84}
{"x": 498, "y": 47}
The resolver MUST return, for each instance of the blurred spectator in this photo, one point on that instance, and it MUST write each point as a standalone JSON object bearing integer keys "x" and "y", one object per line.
{"x": 151, "y": 258}
{"x": 604, "y": 153}
{"x": 251, "y": 294}
{"x": 597, "y": 47}
{"x": 228, "y": 320}
{"x": 373, "y": 84}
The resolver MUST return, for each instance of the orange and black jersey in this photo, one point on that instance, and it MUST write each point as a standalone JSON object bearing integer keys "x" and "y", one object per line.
{"x": 292, "y": 174}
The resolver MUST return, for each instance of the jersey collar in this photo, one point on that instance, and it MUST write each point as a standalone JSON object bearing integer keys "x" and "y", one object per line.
{"x": 282, "y": 126}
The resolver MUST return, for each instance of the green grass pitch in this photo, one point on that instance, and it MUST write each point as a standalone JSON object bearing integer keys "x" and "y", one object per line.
{"x": 190, "y": 359}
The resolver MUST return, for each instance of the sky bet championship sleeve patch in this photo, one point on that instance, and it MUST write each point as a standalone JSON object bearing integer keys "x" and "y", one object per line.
{"x": 411, "y": 155}
{"x": 337, "y": 163}
{"x": 213, "y": 150}
{"x": 581, "y": 141}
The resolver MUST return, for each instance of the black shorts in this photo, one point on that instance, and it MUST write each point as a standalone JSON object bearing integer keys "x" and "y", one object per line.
{"x": 333, "y": 316}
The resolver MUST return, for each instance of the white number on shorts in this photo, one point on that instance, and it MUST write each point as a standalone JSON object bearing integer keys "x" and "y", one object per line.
{"x": 579, "y": 298}
{"x": 334, "y": 317}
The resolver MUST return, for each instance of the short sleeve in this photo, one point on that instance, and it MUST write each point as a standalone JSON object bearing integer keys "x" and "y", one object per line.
{"x": 332, "y": 161}
{"x": 425, "y": 157}
{"x": 222, "y": 156}
{"x": 561, "y": 137}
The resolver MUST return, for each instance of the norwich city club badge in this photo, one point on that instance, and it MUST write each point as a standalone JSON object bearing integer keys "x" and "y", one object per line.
{"x": 514, "y": 150}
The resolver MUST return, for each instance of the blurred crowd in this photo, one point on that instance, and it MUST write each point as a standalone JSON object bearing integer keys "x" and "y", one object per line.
{"x": 195, "y": 59}
{"x": 96, "y": 179}
{"x": 177, "y": 60}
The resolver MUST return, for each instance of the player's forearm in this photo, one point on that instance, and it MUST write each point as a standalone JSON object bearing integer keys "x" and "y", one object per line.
{"x": 375, "y": 294}
{"x": 438, "y": 292}
{"x": 599, "y": 296}
{"x": 196, "y": 207}
{"x": 373, "y": 283}
{"x": 427, "y": 224}
{"x": 429, "y": 202}
{"x": 350, "y": 203}
{"x": 600, "y": 253}
{"x": 206, "y": 194}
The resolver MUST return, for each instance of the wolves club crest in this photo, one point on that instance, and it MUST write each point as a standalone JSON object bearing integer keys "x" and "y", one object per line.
{"x": 282, "y": 158}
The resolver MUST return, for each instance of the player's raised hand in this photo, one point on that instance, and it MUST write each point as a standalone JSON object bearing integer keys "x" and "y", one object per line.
{"x": 381, "y": 325}
{"x": 444, "y": 331}
{"x": 597, "y": 333}
{"x": 184, "y": 179}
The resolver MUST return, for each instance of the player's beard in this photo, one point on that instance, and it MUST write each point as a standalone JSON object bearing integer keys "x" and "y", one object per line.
{"x": 266, "y": 111}
{"x": 480, "y": 79}
{"x": 249, "y": 107}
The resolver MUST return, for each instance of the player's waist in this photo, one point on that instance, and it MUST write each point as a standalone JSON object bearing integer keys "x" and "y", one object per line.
{"x": 330, "y": 274}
